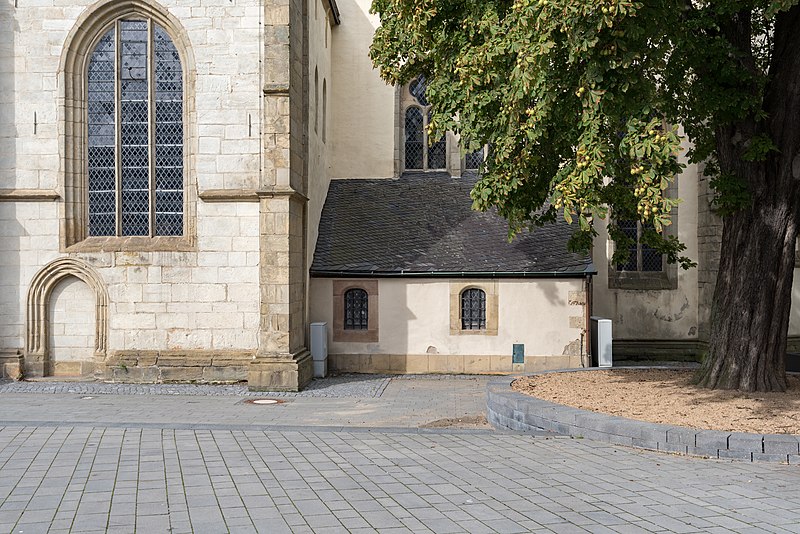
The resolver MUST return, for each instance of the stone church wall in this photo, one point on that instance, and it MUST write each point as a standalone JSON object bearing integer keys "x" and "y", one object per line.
{"x": 197, "y": 298}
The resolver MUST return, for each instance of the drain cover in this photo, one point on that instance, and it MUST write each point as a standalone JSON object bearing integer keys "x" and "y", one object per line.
{"x": 263, "y": 401}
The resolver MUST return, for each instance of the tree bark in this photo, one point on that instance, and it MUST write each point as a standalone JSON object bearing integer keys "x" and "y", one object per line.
{"x": 752, "y": 298}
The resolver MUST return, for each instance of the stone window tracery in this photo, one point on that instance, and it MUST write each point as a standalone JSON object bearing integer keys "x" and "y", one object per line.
{"x": 419, "y": 154}
{"x": 128, "y": 131}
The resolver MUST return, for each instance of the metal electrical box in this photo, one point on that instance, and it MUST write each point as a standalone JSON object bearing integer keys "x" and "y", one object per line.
{"x": 518, "y": 353}
{"x": 319, "y": 349}
{"x": 601, "y": 342}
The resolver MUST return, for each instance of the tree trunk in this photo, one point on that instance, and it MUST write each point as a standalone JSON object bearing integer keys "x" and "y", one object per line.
{"x": 752, "y": 298}
{"x": 750, "y": 310}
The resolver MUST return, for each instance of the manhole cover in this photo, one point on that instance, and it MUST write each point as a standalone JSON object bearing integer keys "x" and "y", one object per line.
{"x": 264, "y": 401}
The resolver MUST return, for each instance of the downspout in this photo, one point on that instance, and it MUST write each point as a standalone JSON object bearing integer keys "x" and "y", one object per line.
{"x": 586, "y": 360}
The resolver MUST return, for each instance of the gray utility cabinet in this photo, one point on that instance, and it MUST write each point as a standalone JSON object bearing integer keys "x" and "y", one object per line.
{"x": 601, "y": 342}
{"x": 319, "y": 349}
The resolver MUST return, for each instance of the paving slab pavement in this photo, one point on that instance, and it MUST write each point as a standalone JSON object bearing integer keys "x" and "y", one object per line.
{"x": 201, "y": 464}
{"x": 352, "y": 401}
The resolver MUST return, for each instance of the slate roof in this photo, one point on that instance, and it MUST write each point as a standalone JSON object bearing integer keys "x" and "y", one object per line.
{"x": 422, "y": 225}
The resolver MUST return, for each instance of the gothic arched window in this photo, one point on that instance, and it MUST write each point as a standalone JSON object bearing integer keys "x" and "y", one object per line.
{"x": 419, "y": 154}
{"x": 135, "y": 130}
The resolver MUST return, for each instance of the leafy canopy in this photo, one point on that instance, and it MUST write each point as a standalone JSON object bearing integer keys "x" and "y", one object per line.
{"x": 580, "y": 101}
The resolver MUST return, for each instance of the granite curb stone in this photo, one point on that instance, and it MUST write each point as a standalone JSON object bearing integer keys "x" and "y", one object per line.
{"x": 507, "y": 409}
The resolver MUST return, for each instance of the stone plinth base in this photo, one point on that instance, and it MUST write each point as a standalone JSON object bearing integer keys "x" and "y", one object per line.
{"x": 280, "y": 373}
{"x": 10, "y": 365}
{"x": 201, "y": 366}
{"x": 447, "y": 363}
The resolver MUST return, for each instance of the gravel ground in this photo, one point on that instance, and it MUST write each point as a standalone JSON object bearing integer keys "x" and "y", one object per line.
{"x": 667, "y": 396}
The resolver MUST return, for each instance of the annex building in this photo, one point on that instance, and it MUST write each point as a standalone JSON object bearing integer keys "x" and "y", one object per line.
{"x": 186, "y": 185}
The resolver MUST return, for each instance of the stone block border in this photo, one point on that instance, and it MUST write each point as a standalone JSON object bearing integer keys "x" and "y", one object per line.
{"x": 507, "y": 409}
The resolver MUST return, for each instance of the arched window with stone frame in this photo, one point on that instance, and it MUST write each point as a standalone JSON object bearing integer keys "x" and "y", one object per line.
{"x": 418, "y": 153}
{"x": 127, "y": 103}
{"x": 356, "y": 309}
{"x": 473, "y": 309}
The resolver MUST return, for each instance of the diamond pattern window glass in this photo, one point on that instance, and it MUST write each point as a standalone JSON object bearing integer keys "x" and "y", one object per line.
{"x": 102, "y": 148}
{"x": 473, "y": 309}
{"x": 641, "y": 257}
{"x": 473, "y": 160}
{"x": 415, "y": 139}
{"x": 417, "y": 88}
{"x": 135, "y": 119}
{"x": 437, "y": 152}
{"x": 356, "y": 314}
{"x": 419, "y": 154}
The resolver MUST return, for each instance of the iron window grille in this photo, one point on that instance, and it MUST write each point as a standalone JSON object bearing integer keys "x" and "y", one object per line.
{"x": 641, "y": 257}
{"x": 135, "y": 133}
{"x": 356, "y": 313}
{"x": 473, "y": 309}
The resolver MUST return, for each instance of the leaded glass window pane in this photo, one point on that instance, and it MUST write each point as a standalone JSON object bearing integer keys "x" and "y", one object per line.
{"x": 356, "y": 315}
{"x": 437, "y": 152}
{"x": 415, "y": 140}
{"x": 473, "y": 309}
{"x": 651, "y": 258}
{"x": 101, "y": 110}
{"x": 473, "y": 160}
{"x": 641, "y": 257}
{"x": 417, "y": 88}
{"x": 135, "y": 105}
{"x": 134, "y": 128}
{"x": 630, "y": 229}
{"x": 169, "y": 136}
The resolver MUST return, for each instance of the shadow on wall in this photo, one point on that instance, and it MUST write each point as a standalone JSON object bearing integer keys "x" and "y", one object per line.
{"x": 12, "y": 305}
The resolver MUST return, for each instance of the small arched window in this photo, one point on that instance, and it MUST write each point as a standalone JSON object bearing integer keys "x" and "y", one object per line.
{"x": 473, "y": 309}
{"x": 135, "y": 132}
{"x": 356, "y": 313}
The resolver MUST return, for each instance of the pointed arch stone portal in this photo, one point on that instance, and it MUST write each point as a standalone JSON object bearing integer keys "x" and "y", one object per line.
{"x": 37, "y": 353}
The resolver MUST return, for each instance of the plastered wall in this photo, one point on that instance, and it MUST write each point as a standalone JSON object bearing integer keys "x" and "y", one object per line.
{"x": 415, "y": 318}
{"x": 364, "y": 109}
{"x": 663, "y": 314}
{"x": 320, "y": 113}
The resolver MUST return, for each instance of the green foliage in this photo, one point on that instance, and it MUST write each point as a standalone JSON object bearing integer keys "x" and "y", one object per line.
{"x": 580, "y": 101}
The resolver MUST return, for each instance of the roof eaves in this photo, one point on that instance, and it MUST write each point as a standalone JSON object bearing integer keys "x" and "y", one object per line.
{"x": 348, "y": 273}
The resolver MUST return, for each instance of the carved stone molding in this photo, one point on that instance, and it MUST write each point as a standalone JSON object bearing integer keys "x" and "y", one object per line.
{"x": 42, "y": 285}
{"x": 28, "y": 195}
{"x": 248, "y": 195}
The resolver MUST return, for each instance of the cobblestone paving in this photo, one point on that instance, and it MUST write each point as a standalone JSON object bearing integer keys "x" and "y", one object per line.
{"x": 336, "y": 387}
